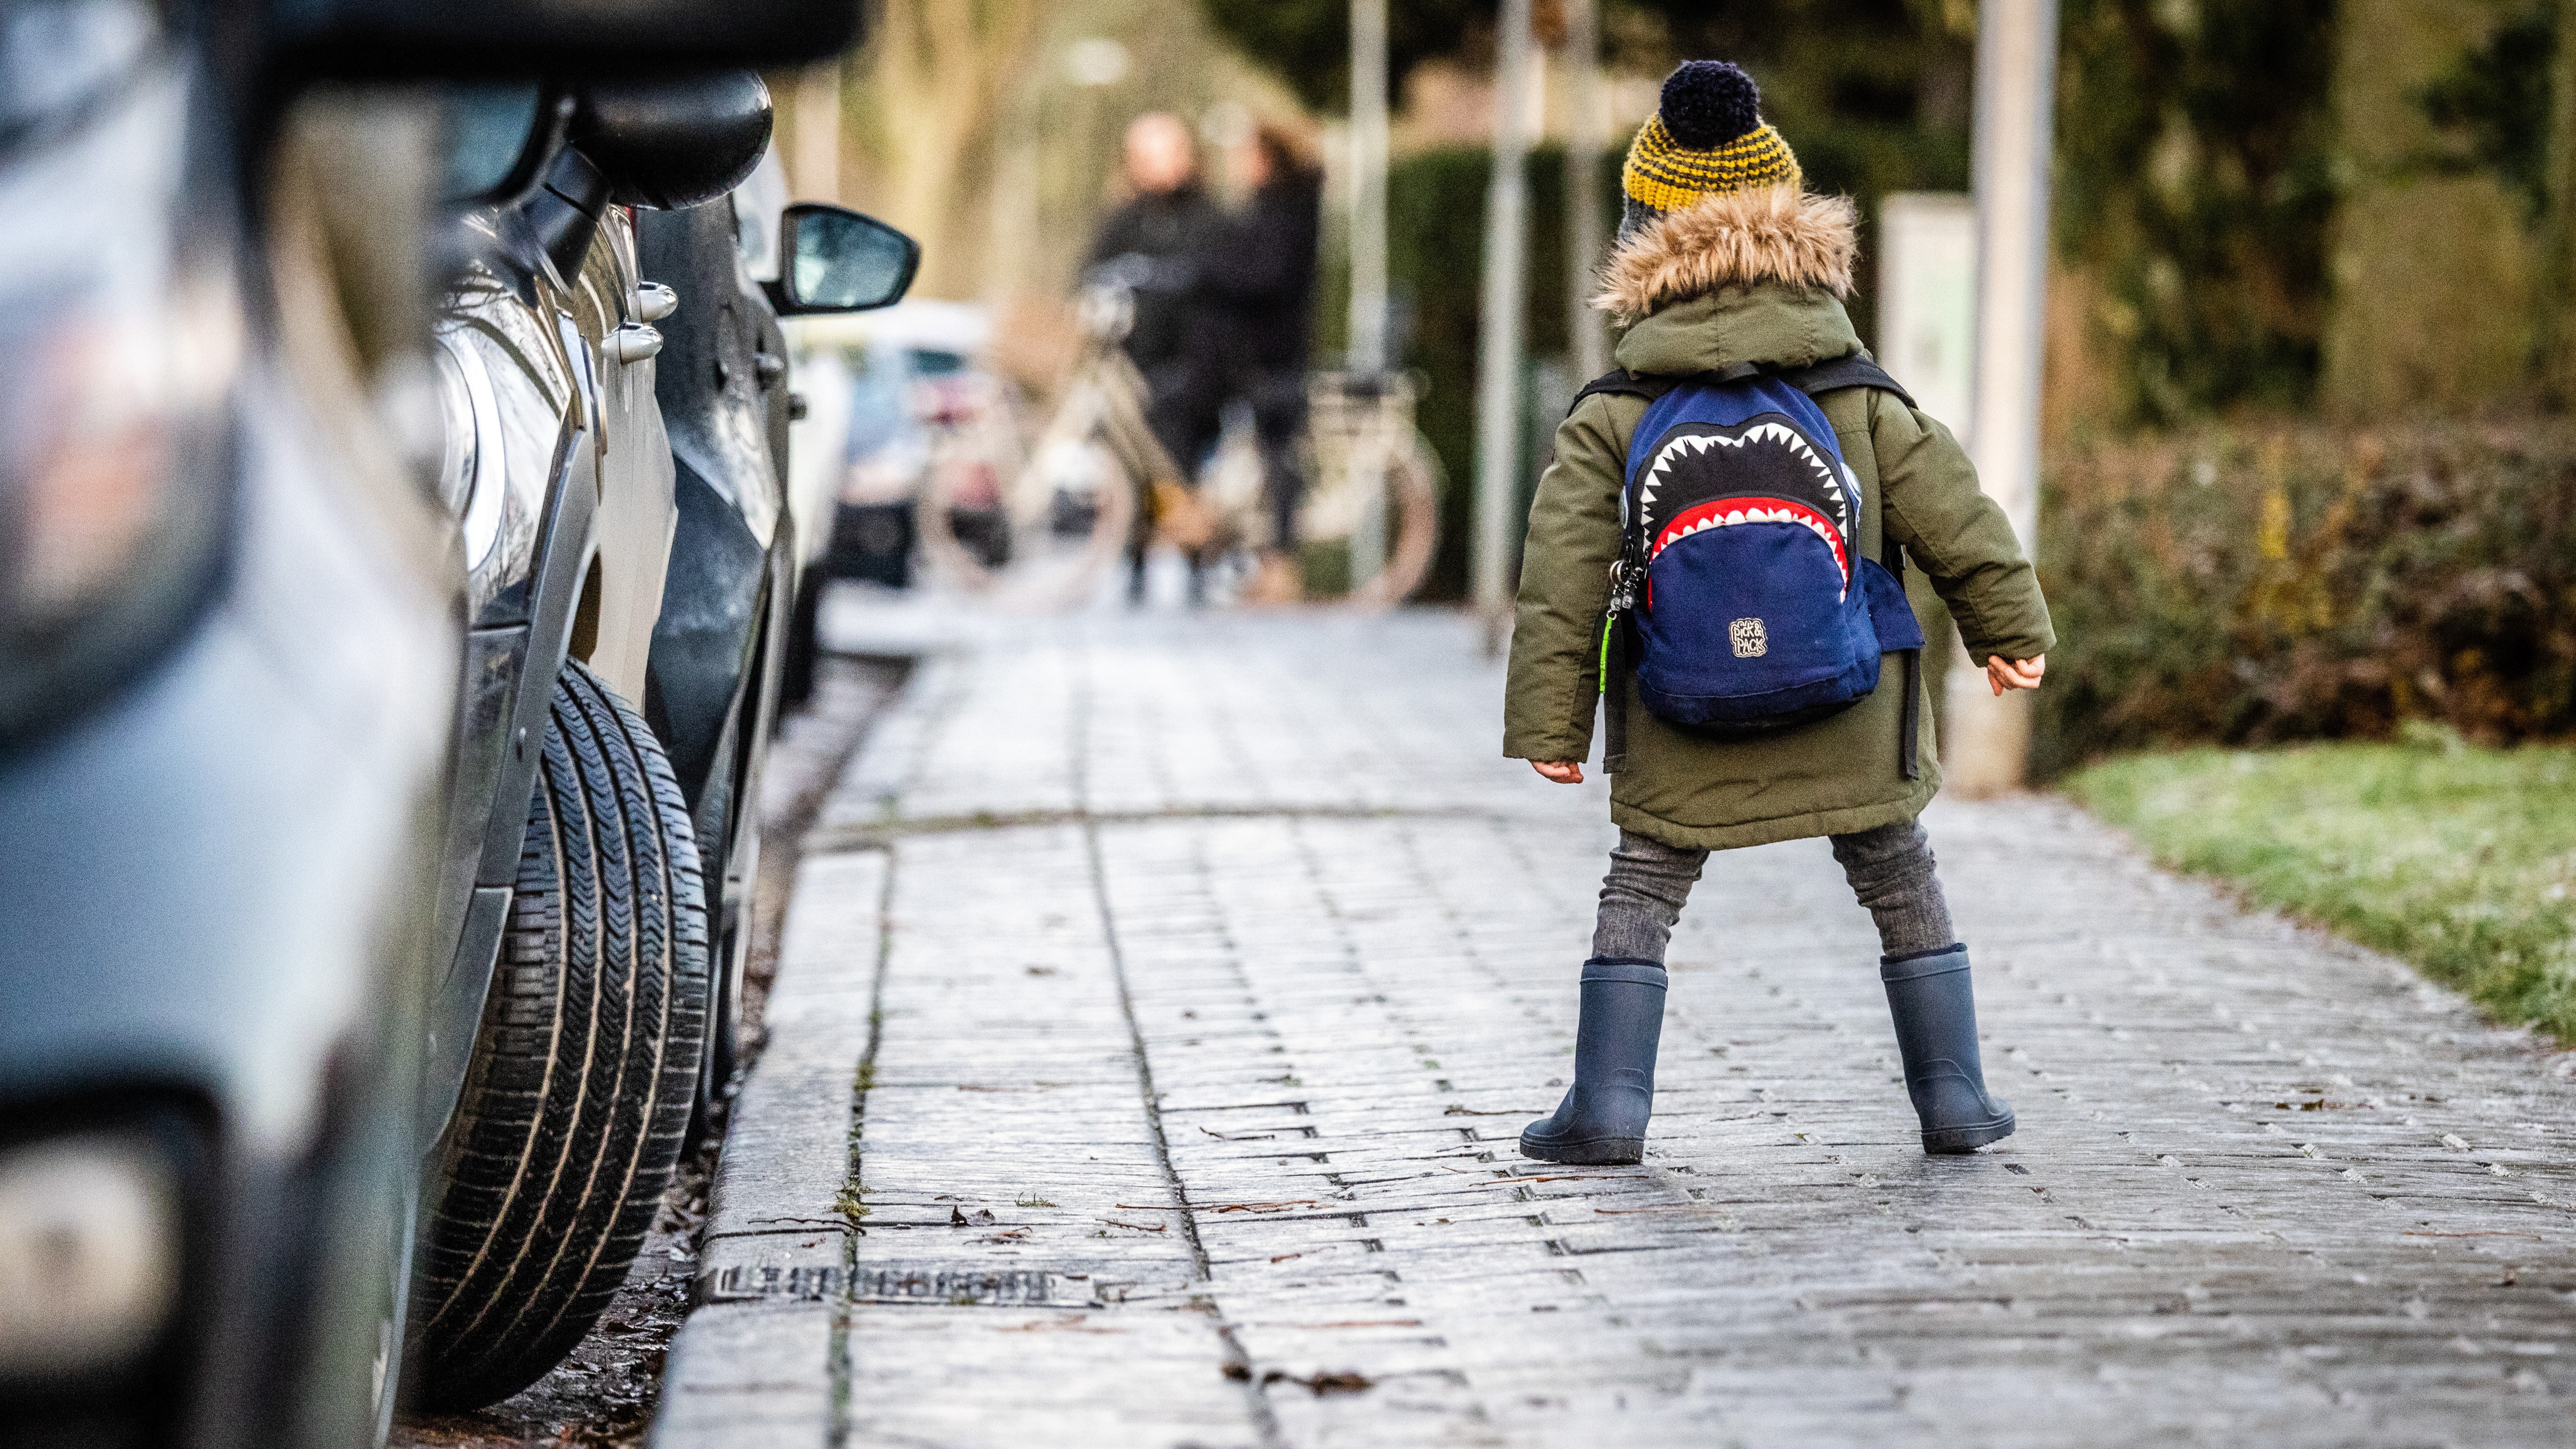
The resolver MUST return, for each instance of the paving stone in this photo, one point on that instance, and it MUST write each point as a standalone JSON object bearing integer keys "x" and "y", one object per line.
{"x": 787, "y": 1155}
{"x": 750, "y": 1376}
{"x": 1201, "y": 972}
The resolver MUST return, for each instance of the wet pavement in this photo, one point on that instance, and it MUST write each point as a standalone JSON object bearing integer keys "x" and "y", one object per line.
{"x": 1162, "y": 996}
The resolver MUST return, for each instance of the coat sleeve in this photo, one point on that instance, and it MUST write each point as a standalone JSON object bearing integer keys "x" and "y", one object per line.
{"x": 1555, "y": 679}
{"x": 1958, "y": 535}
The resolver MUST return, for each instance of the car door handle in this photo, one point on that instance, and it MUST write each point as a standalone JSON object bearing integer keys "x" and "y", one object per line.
{"x": 633, "y": 342}
{"x": 655, "y": 301}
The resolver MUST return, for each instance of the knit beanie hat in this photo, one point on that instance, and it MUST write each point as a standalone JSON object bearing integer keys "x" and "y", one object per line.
{"x": 1705, "y": 138}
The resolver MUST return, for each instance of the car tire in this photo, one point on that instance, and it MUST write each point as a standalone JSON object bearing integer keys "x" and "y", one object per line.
{"x": 733, "y": 893}
{"x": 724, "y": 1027}
{"x": 584, "y": 1070}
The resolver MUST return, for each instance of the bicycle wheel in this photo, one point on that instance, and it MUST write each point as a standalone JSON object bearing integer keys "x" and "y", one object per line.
{"x": 1069, "y": 474}
{"x": 1413, "y": 487}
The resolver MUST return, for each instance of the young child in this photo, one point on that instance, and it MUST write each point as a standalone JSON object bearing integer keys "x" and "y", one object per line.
{"x": 1727, "y": 270}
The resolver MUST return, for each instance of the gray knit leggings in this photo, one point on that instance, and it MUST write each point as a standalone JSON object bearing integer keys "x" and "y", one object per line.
{"x": 1890, "y": 869}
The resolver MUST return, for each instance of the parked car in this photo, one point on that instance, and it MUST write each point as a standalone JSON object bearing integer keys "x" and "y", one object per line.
{"x": 902, "y": 410}
{"x": 224, "y": 668}
{"x": 226, "y": 674}
{"x": 616, "y": 697}
{"x": 719, "y": 648}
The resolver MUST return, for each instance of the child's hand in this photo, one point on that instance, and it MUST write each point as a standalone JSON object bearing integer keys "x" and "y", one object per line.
{"x": 1563, "y": 772}
{"x": 2003, "y": 674}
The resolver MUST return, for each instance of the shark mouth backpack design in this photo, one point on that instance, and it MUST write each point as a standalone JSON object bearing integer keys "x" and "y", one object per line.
{"x": 1739, "y": 570}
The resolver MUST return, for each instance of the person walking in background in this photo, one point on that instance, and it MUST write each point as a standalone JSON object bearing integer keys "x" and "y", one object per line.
{"x": 1259, "y": 281}
{"x": 1153, "y": 245}
{"x": 1710, "y": 554}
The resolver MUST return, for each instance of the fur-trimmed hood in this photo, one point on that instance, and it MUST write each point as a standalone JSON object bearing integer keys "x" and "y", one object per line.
{"x": 1779, "y": 234}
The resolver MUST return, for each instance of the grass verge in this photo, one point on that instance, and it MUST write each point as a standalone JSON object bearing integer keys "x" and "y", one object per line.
{"x": 2461, "y": 860}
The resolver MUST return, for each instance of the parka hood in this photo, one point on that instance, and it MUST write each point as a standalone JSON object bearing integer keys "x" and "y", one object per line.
{"x": 1766, "y": 324}
{"x": 1777, "y": 234}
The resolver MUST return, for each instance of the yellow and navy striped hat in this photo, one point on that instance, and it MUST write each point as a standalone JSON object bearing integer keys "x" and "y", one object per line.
{"x": 1706, "y": 137}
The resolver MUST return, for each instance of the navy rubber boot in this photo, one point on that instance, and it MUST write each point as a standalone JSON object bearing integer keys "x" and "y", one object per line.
{"x": 1603, "y": 1116}
{"x": 1936, "y": 1032}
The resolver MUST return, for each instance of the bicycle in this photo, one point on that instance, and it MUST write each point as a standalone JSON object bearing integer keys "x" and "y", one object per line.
{"x": 1077, "y": 481}
{"x": 1096, "y": 463}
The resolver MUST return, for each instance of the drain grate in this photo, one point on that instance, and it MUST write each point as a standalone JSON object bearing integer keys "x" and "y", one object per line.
{"x": 929, "y": 1287}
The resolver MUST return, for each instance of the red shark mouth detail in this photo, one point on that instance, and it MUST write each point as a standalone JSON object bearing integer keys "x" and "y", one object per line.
{"x": 1726, "y": 512}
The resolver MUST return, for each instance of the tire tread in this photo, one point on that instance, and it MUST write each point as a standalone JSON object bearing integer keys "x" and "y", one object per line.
{"x": 585, "y": 1068}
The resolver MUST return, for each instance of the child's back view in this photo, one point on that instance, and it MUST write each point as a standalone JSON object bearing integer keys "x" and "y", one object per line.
{"x": 1716, "y": 537}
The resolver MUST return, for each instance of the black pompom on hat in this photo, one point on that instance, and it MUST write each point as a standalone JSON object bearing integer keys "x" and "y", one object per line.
{"x": 1708, "y": 103}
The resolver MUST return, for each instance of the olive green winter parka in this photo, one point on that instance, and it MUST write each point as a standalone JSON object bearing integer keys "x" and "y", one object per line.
{"x": 1752, "y": 277}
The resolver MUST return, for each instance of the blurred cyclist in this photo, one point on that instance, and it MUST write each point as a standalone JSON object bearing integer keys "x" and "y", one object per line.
{"x": 1151, "y": 245}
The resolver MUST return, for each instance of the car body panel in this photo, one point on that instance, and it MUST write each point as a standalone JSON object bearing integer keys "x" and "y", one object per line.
{"x": 722, "y": 382}
{"x": 727, "y": 621}
{"x": 218, "y": 874}
{"x": 593, "y": 589}
{"x": 637, "y": 513}
{"x": 277, "y": 720}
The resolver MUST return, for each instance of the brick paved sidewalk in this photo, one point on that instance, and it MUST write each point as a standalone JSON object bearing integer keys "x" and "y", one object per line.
{"x": 1163, "y": 997}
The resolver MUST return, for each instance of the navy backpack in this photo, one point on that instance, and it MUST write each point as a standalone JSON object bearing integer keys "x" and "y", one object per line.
{"x": 1740, "y": 592}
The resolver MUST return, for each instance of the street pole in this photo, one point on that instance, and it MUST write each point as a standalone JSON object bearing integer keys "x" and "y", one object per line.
{"x": 1368, "y": 359}
{"x": 1498, "y": 355}
{"x": 1587, "y": 98}
{"x": 1988, "y": 751}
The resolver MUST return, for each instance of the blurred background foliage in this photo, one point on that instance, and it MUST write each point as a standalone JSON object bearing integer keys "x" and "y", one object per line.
{"x": 2268, "y": 581}
{"x": 1308, "y": 42}
{"x": 2307, "y": 476}
{"x": 2278, "y": 222}
{"x": 2195, "y": 188}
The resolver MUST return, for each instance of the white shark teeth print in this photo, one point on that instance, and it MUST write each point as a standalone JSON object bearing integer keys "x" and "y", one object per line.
{"x": 1759, "y": 515}
{"x": 1705, "y": 517}
{"x": 1694, "y": 444}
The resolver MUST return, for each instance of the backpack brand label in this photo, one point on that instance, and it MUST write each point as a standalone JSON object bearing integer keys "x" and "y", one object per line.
{"x": 1748, "y": 638}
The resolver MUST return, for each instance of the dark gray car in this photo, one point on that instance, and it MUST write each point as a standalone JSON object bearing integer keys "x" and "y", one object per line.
{"x": 721, "y": 646}
{"x": 227, "y": 662}
{"x": 609, "y": 461}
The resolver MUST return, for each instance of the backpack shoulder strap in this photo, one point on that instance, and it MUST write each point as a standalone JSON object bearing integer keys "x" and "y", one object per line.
{"x": 1647, "y": 385}
{"x": 1851, "y": 370}
{"x": 1856, "y": 370}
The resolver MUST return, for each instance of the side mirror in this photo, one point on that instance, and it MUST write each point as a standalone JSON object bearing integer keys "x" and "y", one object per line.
{"x": 399, "y": 39}
{"x": 500, "y": 139}
{"x": 670, "y": 144}
{"x": 836, "y": 260}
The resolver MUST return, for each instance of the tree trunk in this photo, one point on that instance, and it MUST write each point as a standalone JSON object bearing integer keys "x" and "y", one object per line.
{"x": 936, "y": 71}
{"x": 2557, "y": 332}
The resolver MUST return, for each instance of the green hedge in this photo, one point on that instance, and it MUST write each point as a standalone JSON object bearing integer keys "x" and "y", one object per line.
{"x": 2246, "y": 585}
{"x": 1435, "y": 259}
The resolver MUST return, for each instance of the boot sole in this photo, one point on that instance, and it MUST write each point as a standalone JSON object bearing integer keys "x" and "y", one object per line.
{"x": 1953, "y": 1141}
{"x": 1598, "y": 1152}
